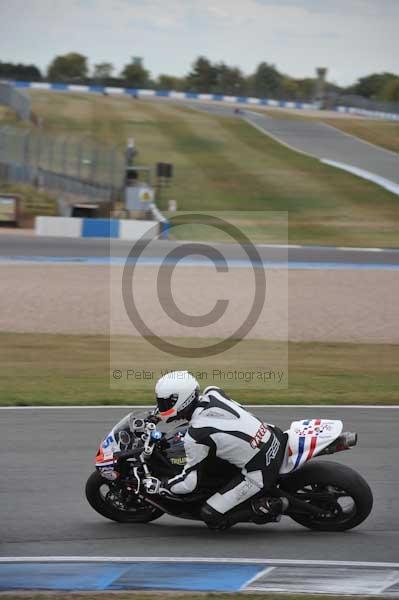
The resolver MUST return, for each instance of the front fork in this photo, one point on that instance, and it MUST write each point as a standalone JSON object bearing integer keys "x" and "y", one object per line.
{"x": 146, "y": 454}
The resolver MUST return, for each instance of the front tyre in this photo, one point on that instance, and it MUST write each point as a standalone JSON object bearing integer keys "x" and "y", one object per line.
{"x": 344, "y": 497}
{"x": 113, "y": 502}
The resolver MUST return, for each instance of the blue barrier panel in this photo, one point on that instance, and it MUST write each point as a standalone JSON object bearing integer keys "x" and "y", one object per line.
{"x": 59, "y": 86}
{"x": 96, "y": 88}
{"x": 101, "y": 228}
{"x": 188, "y": 95}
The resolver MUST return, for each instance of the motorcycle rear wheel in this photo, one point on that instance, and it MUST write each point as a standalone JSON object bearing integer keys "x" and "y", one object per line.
{"x": 340, "y": 491}
{"x": 106, "y": 498}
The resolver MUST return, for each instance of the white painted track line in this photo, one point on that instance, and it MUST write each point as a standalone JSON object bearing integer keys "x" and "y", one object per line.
{"x": 345, "y": 248}
{"x": 256, "y": 576}
{"x": 187, "y": 559}
{"x": 358, "y": 139}
{"x": 387, "y": 184}
{"x": 276, "y": 139}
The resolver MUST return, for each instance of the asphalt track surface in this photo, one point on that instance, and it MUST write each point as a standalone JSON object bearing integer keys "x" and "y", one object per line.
{"x": 17, "y": 245}
{"x": 326, "y": 142}
{"x": 47, "y": 455}
{"x": 319, "y": 140}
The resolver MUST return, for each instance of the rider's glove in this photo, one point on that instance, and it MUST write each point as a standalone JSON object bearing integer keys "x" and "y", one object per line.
{"x": 156, "y": 486}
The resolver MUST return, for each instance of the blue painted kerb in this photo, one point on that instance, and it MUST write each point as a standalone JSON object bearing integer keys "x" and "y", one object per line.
{"x": 100, "y": 576}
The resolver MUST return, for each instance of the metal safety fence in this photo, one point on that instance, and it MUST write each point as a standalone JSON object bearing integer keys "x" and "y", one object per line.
{"x": 78, "y": 166}
{"x": 16, "y": 100}
{"x": 366, "y": 103}
{"x": 54, "y": 182}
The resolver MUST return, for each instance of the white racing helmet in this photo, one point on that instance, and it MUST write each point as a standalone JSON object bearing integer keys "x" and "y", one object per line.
{"x": 175, "y": 391}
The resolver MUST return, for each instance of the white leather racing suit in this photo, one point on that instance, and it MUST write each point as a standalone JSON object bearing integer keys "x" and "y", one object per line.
{"x": 222, "y": 428}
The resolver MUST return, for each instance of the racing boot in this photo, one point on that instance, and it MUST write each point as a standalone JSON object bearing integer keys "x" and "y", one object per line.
{"x": 269, "y": 509}
{"x": 213, "y": 519}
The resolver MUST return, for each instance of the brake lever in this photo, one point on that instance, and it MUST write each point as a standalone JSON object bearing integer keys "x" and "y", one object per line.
{"x": 148, "y": 447}
{"x": 137, "y": 476}
{"x": 146, "y": 453}
{"x": 127, "y": 454}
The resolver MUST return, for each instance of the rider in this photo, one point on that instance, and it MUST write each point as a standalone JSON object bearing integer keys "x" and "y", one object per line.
{"x": 219, "y": 427}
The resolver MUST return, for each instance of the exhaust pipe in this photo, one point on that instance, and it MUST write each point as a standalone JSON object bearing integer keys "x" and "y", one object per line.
{"x": 344, "y": 442}
{"x": 351, "y": 438}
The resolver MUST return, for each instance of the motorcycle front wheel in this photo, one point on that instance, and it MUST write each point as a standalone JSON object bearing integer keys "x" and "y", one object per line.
{"x": 112, "y": 501}
{"x": 344, "y": 497}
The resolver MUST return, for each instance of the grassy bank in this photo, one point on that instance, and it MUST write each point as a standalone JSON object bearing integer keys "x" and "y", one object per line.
{"x": 33, "y": 202}
{"x": 224, "y": 164}
{"x": 38, "y": 369}
{"x": 376, "y": 131}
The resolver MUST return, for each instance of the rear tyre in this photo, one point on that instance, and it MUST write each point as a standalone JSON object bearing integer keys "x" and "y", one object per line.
{"x": 113, "y": 502}
{"x": 343, "y": 495}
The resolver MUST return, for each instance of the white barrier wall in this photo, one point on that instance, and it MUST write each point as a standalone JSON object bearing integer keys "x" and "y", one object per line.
{"x": 139, "y": 93}
{"x": 122, "y": 229}
{"x": 58, "y": 226}
{"x": 134, "y": 230}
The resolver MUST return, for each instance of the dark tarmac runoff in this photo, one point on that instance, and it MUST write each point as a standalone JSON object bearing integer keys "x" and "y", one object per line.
{"x": 46, "y": 456}
{"x": 30, "y": 246}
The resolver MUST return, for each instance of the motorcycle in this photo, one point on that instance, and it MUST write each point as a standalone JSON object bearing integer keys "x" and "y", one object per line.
{"x": 321, "y": 495}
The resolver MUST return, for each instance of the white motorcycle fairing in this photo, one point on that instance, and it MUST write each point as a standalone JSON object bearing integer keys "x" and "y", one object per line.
{"x": 307, "y": 439}
{"x": 118, "y": 439}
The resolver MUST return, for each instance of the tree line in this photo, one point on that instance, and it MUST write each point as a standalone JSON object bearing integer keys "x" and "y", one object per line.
{"x": 204, "y": 77}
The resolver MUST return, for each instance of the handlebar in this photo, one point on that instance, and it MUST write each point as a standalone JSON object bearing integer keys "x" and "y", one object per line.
{"x": 125, "y": 454}
{"x": 149, "y": 437}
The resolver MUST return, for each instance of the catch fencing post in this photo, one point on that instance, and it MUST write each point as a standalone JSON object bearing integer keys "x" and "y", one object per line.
{"x": 79, "y": 159}
{"x": 51, "y": 153}
{"x": 112, "y": 165}
{"x": 26, "y": 148}
{"x": 63, "y": 156}
{"x": 1, "y": 142}
{"x": 94, "y": 159}
{"x": 39, "y": 149}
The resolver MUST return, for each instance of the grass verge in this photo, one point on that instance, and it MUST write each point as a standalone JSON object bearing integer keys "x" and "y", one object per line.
{"x": 45, "y": 369}
{"x": 224, "y": 164}
{"x": 33, "y": 202}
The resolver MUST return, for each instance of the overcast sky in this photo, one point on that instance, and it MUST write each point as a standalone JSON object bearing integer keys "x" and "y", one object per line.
{"x": 350, "y": 37}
